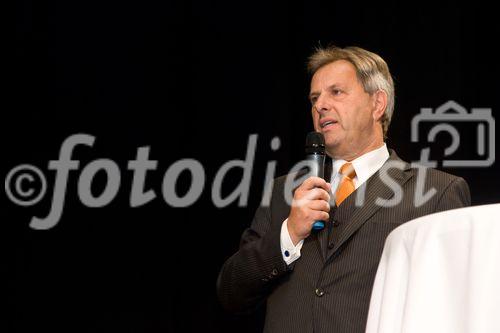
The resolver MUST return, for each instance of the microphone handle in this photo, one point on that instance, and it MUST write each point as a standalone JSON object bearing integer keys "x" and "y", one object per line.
{"x": 317, "y": 165}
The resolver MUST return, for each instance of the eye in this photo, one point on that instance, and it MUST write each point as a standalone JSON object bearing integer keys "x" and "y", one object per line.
{"x": 313, "y": 99}
{"x": 336, "y": 91}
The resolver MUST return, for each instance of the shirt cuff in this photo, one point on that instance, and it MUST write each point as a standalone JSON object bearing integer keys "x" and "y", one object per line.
{"x": 289, "y": 251}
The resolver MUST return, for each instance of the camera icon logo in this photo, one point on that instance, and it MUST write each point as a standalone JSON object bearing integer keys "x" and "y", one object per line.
{"x": 447, "y": 118}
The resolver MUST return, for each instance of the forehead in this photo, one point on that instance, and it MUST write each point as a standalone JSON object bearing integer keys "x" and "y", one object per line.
{"x": 338, "y": 72}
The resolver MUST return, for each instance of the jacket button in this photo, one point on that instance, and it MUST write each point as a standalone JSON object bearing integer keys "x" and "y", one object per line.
{"x": 319, "y": 292}
{"x": 274, "y": 272}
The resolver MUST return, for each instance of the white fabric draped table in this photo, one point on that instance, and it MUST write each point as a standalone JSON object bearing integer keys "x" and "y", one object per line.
{"x": 440, "y": 273}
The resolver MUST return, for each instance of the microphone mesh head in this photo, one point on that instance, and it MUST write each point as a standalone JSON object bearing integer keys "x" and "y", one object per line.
{"x": 315, "y": 143}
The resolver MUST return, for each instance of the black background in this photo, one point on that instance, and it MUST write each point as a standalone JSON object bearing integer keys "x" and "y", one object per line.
{"x": 194, "y": 80}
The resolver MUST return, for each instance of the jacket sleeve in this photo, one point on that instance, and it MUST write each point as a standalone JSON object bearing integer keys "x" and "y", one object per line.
{"x": 248, "y": 276}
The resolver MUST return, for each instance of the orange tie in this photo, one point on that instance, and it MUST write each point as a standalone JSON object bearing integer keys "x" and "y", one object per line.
{"x": 346, "y": 186}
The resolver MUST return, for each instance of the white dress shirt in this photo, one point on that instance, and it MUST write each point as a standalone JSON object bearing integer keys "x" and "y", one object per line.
{"x": 364, "y": 166}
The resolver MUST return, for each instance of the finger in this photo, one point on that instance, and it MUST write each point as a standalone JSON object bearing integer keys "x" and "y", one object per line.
{"x": 316, "y": 194}
{"x": 319, "y": 205}
{"x": 319, "y": 215}
{"x": 313, "y": 182}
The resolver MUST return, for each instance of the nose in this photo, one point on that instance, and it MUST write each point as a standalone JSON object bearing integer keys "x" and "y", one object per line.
{"x": 321, "y": 105}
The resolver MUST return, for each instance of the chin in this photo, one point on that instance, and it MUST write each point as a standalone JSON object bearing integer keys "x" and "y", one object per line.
{"x": 333, "y": 148}
{"x": 331, "y": 141}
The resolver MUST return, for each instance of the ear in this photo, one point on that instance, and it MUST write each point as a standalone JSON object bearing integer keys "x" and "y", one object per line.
{"x": 379, "y": 104}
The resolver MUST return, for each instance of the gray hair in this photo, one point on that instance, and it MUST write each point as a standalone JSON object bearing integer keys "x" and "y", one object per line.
{"x": 372, "y": 72}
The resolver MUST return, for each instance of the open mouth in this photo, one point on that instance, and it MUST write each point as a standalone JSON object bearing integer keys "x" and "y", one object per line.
{"x": 327, "y": 124}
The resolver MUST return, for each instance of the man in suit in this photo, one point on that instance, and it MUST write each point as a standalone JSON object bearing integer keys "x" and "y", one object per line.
{"x": 321, "y": 281}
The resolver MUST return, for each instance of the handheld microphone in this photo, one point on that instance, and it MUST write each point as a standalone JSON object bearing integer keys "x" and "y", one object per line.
{"x": 315, "y": 155}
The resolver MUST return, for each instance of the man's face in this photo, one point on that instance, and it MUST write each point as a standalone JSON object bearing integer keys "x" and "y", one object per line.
{"x": 343, "y": 111}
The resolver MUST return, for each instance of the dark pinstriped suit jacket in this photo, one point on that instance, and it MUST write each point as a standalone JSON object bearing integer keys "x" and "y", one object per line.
{"x": 328, "y": 288}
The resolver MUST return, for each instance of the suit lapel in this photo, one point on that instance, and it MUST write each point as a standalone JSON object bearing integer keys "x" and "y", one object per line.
{"x": 322, "y": 236}
{"x": 374, "y": 188}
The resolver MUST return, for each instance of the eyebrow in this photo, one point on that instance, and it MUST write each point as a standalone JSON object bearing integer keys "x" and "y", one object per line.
{"x": 315, "y": 93}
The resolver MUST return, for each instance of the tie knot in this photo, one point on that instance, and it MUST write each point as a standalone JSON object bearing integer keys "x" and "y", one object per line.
{"x": 347, "y": 170}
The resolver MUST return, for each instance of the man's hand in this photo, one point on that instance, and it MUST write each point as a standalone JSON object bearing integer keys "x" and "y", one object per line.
{"x": 310, "y": 203}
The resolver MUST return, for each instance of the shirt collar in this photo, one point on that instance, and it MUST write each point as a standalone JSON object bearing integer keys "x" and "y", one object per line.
{"x": 365, "y": 165}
